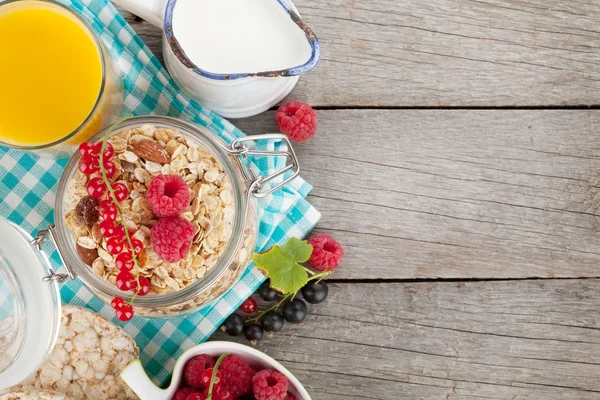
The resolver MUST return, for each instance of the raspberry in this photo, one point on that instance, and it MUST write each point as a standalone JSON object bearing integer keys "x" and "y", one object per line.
{"x": 171, "y": 238}
{"x": 196, "y": 396}
{"x": 269, "y": 385}
{"x": 168, "y": 195}
{"x": 194, "y": 368}
{"x": 290, "y": 397}
{"x": 297, "y": 120}
{"x": 183, "y": 393}
{"x": 237, "y": 375}
{"x": 327, "y": 253}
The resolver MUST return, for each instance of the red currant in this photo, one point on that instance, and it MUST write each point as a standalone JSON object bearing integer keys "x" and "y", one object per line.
{"x": 124, "y": 261}
{"x": 125, "y": 281}
{"x": 96, "y": 188}
{"x": 124, "y": 313}
{"x": 87, "y": 149}
{"x": 107, "y": 229}
{"x": 207, "y": 376}
{"x": 109, "y": 151}
{"x": 117, "y": 302}
{"x": 249, "y": 305}
{"x": 120, "y": 190}
{"x": 114, "y": 246}
{"x": 108, "y": 210}
{"x": 88, "y": 165}
{"x": 138, "y": 246}
{"x": 109, "y": 168}
{"x": 220, "y": 392}
{"x": 143, "y": 288}
{"x": 120, "y": 232}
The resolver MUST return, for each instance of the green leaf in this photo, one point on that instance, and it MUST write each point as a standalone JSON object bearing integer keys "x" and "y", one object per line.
{"x": 280, "y": 264}
{"x": 298, "y": 250}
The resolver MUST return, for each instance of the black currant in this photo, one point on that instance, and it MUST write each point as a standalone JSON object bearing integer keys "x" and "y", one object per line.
{"x": 234, "y": 325}
{"x": 295, "y": 311}
{"x": 266, "y": 293}
{"x": 315, "y": 293}
{"x": 253, "y": 331}
{"x": 272, "y": 321}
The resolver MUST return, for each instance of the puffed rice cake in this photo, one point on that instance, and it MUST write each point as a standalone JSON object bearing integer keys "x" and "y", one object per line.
{"x": 87, "y": 360}
{"x": 31, "y": 393}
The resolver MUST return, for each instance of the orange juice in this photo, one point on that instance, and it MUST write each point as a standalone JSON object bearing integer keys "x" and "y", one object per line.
{"x": 51, "y": 73}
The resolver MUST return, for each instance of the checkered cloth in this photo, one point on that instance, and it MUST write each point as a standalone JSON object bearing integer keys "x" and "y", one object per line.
{"x": 28, "y": 185}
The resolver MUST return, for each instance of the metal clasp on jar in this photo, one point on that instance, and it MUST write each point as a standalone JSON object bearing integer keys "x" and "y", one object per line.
{"x": 42, "y": 236}
{"x": 257, "y": 183}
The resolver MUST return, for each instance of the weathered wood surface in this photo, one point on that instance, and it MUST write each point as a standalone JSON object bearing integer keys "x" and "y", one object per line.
{"x": 474, "y": 340}
{"x": 453, "y": 194}
{"x": 456, "y": 193}
{"x": 448, "y": 52}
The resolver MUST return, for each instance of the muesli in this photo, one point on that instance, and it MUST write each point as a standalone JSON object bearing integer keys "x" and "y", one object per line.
{"x": 137, "y": 157}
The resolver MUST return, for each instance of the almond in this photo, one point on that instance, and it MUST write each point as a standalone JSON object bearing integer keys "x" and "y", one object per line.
{"x": 87, "y": 255}
{"x": 151, "y": 151}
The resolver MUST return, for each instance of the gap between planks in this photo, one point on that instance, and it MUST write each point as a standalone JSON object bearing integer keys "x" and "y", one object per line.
{"x": 447, "y": 52}
{"x": 528, "y": 339}
{"x": 474, "y": 194}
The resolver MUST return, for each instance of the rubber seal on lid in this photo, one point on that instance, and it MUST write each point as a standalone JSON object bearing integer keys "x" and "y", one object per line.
{"x": 29, "y": 308}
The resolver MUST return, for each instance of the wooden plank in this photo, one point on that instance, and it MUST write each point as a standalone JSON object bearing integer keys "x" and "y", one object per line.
{"x": 448, "y": 52}
{"x": 456, "y": 194}
{"x": 474, "y": 340}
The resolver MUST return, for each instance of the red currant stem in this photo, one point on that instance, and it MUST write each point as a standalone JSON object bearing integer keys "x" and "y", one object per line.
{"x": 214, "y": 375}
{"x": 275, "y": 307}
{"x": 116, "y": 203}
{"x": 320, "y": 276}
{"x": 310, "y": 271}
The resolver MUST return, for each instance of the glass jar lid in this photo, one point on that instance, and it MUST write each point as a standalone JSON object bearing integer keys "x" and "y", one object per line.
{"x": 30, "y": 306}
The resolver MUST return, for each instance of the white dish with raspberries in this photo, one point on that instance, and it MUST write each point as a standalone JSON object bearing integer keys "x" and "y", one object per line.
{"x": 245, "y": 373}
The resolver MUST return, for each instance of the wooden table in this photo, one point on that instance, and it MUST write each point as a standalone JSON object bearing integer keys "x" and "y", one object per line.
{"x": 458, "y": 163}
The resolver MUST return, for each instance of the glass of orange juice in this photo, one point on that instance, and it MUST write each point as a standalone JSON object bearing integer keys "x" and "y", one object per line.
{"x": 58, "y": 83}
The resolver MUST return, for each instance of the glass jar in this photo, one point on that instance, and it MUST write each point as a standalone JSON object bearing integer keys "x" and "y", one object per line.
{"x": 246, "y": 185}
{"x": 30, "y": 305}
{"x": 106, "y": 108}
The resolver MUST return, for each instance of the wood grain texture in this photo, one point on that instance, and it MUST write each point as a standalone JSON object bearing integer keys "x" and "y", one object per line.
{"x": 475, "y": 340}
{"x": 448, "y": 52}
{"x": 456, "y": 193}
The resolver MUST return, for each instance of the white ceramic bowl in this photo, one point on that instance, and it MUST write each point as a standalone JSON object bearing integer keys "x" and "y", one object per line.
{"x": 135, "y": 376}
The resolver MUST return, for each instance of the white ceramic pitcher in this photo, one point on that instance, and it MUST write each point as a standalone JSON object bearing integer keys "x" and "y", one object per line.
{"x": 233, "y": 95}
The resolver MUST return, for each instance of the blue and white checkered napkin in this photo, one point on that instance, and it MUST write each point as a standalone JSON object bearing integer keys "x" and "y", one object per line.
{"x": 28, "y": 185}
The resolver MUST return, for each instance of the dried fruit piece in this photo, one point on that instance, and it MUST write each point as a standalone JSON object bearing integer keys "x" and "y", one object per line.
{"x": 151, "y": 151}
{"x": 87, "y": 210}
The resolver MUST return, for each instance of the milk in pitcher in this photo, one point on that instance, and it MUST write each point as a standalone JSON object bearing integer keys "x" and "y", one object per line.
{"x": 239, "y": 36}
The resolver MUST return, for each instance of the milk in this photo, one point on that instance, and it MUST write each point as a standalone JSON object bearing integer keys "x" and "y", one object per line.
{"x": 239, "y": 36}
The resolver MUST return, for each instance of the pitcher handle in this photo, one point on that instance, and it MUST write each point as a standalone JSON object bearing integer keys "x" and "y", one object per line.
{"x": 152, "y": 11}
{"x": 135, "y": 377}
